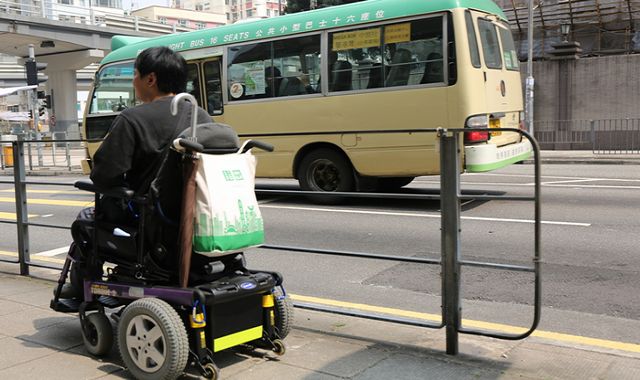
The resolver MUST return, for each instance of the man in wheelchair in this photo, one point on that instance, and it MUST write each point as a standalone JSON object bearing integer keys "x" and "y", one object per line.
{"x": 139, "y": 175}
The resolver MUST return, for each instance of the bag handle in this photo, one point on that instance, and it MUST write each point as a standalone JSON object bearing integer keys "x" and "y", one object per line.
{"x": 247, "y": 145}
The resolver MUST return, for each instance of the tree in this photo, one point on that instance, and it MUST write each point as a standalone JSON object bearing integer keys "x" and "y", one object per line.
{"x": 294, "y": 6}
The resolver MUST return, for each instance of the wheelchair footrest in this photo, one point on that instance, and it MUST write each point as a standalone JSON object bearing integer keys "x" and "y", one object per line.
{"x": 66, "y": 305}
{"x": 109, "y": 302}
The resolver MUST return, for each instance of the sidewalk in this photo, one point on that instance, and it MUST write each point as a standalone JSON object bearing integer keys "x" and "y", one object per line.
{"x": 36, "y": 342}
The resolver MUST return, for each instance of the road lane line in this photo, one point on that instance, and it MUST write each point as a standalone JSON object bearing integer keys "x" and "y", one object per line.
{"x": 546, "y": 184}
{"x": 50, "y": 202}
{"x": 41, "y": 191}
{"x": 54, "y": 252}
{"x": 433, "y": 216}
{"x": 12, "y": 215}
{"x": 559, "y": 337}
{"x": 35, "y": 257}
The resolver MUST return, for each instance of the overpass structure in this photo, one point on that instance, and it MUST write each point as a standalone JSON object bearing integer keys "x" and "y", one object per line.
{"x": 66, "y": 44}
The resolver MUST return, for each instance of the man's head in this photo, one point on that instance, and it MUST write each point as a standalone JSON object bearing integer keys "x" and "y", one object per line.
{"x": 159, "y": 71}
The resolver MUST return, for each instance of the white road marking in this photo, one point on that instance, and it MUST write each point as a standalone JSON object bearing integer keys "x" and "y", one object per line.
{"x": 549, "y": 184}
{"x": 54, "y": 252}
{"x": 415, "y": 215}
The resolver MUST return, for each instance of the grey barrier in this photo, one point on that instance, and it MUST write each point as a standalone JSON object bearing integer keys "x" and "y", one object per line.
{"x": 604, "y": 136}
{"x": 450, "y": 261}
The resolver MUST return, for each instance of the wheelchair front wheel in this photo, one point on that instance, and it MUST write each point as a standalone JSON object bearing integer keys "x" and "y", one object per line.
{"x": 97, "y": 334}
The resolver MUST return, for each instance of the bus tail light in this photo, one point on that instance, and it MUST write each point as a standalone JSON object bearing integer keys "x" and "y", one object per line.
{"x": 481, "y": 121}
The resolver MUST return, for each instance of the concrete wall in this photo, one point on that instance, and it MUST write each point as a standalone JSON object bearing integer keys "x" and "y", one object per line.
{"x": 597, "y": 88}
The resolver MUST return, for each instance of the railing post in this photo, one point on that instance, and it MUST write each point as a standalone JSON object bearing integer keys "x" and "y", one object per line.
{"x": 22, "y": 217}
{"x": 592, "y": 126}
{"x": 450, "y": 235}
{"x": 67, "y": 151}
{"x": 30, "y": 156}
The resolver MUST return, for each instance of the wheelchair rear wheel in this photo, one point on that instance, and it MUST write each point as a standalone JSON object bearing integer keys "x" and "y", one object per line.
{"x": 283, "y": 313}
{"x": 152, "y": 340}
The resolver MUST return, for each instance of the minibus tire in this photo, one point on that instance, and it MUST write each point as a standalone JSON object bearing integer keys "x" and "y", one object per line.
{"x": 326, "y": 170}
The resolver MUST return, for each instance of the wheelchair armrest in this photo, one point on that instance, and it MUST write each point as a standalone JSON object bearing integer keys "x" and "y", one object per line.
{"x": 115, "y": 192}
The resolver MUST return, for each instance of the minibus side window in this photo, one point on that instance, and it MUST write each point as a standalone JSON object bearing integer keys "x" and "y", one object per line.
{"x": 490, "y": 44}
{"x": 213, "y": 87}
{"x": 509, "y": 49}
{"x": 473, "y": 42}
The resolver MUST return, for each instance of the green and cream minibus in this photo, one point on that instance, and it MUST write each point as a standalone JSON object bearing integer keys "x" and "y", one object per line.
{"x": 318, "y": 85}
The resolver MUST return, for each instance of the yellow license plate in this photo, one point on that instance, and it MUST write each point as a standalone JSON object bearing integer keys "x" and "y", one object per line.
{"x": 495, "y": 123}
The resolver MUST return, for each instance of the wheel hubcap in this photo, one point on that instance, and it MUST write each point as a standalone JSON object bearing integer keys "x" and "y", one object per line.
{"x": 324, "y": 175}
{"x": 146, "y": 343}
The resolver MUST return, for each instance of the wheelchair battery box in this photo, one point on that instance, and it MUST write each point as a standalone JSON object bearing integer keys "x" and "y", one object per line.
{"x": 234, "y": 309}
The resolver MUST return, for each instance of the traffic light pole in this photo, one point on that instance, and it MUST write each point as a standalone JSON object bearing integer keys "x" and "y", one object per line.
{"x": 33, "y": 102}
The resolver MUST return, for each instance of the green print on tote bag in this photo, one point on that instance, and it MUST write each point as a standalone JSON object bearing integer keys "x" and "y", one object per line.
{"x": 227, "y": 217}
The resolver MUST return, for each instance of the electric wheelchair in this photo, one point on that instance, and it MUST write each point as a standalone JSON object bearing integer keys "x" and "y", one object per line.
{"x": 163, "y": 327}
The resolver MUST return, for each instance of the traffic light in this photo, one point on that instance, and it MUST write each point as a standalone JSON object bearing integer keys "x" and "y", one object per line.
{"x": 33, "y": 68}
{"x": 41, "y": 111}
{"x": 48, "y": 102}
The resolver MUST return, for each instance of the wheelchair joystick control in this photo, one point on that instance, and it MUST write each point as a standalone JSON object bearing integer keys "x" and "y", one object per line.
{"x": 214, "y": 267}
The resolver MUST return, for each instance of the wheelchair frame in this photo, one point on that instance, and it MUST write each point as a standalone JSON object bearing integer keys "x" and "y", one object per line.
{"x": 161, "y": 329}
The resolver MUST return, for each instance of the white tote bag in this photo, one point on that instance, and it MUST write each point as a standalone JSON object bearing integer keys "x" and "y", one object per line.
{"x": 227, "y": 217}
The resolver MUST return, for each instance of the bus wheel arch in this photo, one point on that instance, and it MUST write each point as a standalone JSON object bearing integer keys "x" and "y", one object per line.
{"x": 324, "y": 167}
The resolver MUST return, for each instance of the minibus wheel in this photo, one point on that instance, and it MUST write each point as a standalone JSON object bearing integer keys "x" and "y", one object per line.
{"x": 326, "y": 170}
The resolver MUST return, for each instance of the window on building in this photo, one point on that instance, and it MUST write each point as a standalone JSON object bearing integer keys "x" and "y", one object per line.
{"x": 288, "y": 67}
{"x": 201, "y": 25}
{"x": 162, "y": 20}
{"x": 183, "y": 22}
{"x": 249, "y": 13}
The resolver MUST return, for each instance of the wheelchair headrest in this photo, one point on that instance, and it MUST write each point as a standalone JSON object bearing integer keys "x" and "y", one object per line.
{"x": 214, "y": 136}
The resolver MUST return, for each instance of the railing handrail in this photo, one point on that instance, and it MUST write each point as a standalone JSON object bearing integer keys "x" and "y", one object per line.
{"x": 450, "y": 226}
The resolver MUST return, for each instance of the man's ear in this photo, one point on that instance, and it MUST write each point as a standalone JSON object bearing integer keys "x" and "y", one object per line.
{"x": 151, "y": 79}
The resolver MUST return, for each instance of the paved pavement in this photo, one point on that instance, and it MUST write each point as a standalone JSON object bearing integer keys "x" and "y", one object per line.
{"x": 38, "y": 343}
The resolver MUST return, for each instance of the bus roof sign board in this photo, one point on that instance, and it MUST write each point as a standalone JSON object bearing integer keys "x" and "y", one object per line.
{"x": 316, "y": 20}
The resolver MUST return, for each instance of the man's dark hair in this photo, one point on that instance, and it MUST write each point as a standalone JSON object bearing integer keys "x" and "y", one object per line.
{"x": 170, "y": 68}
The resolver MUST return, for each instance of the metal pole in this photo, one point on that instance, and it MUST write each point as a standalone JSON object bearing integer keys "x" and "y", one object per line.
{"x": 528, "y": 110}
{"x": 450, "y": 235}
{"x": 34, "y": 111}
{"x": 22, "y": 216}
{"x": 67, "y": 151}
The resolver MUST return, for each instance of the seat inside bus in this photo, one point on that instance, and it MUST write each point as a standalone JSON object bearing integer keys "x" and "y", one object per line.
{"x": 400, "y": 69}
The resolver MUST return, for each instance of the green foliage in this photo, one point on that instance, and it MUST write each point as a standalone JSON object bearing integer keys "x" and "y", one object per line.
{"x": 294, "y": 6}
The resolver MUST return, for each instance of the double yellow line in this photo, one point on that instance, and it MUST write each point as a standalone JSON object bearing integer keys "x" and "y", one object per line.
{"x": 559, "y": 337}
